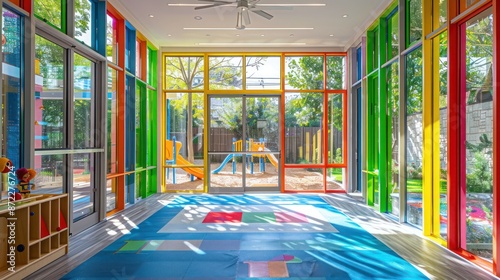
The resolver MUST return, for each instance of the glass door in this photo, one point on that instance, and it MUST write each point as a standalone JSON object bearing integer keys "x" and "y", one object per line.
{"x": 244, "y": 149}
{"x": 263, "y": 143}
{"x": 68, "y": 153}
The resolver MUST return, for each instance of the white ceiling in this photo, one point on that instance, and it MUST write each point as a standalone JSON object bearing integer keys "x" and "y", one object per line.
{"x": 301, "y": 27}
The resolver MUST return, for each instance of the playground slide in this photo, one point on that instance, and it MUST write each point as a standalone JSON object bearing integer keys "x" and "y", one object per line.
{"x": 272, "y": 158}
{"x": 226, "y": 160}
{"x": 196, "y": 172}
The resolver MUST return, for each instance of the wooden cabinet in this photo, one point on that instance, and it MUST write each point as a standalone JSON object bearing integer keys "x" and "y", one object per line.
{"x": 33, "y": 233}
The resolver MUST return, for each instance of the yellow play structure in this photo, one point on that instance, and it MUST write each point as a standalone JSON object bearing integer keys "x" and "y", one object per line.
{"x": 261, "y": 147}
{"x": 175, "y": 160}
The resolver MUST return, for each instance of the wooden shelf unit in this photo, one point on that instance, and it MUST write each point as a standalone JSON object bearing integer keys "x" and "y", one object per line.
{"x": 40, "y": 235}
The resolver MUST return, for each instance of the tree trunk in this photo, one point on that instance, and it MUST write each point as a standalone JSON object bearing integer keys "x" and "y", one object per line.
{"x": 189, "y": 129}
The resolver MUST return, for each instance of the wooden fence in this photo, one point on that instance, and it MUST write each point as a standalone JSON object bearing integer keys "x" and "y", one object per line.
{"x": 302, "y": 144}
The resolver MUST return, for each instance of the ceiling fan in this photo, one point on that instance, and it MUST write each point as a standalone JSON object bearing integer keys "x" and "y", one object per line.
{"x": 243, "y": 6}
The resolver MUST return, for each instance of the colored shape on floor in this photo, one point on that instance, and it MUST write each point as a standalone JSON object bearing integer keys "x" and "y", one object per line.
{"x": 250, "y": 218}
{"x": 247, "y": 237}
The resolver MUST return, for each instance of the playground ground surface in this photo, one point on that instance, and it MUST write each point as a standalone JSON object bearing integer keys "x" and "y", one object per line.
{"x": 296, "y": 179}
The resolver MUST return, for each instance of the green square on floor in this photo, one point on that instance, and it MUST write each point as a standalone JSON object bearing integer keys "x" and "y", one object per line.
{"x": 132, "y": 246}
{"x": 258, "y": 217}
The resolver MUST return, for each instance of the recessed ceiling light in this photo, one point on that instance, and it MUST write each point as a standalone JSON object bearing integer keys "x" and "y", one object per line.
{"x": 331, "y": 35}
{"x": 262, "y": 35}
{"x": 344, "y": 16}
{"x": 197, "y": 18}
{"x": 151, "y": 15}
{"x": 237, "y": 35}
{"x": 169, "y": 35}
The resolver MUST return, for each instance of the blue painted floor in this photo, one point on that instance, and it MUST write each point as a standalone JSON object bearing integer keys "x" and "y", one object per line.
{"x": 247, "y": 237}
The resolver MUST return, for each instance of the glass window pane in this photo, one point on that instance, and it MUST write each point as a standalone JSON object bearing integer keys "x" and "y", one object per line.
{"x": 49, "y": 95}
{"x": 335, "y": 178}
{"x": 304, "y": 72}
{"x": 414, "y": 14}
{"x": 152, "y": 132}
{"x": 442, "y": 59}
{"x": 183, "y": 126}
{"x": 184, "y": 73}
{"x": 304, "y": 179}
{"x": 111, "y": 186}
{"x": 151, "y": 67}
{"x": 336, "y": 128}
{"x": 414, "y": 136}
{"x": 225, "y": 72}
{"x": 263, "y": 72}
{"x": 112, "y": 115}
{"x": 393, "y": 36}
{"x": 130, "y": 44}
{"x": 335, "y": 67}
{"x": 443, "y": 11}
{"x": 83, "y": 103}
{"x": 12, "y": 85}
{"x": 140, "y": 131}
{"x": 49, "y": 11}
{"x": 393, "y": 139}
{"x": 83, "y": 185}
{"x": 83, "y": 21}
{"x": 50, "y": 170}
{"x": 359, "y": 63}
{"x": 478, "y": 218}
{"x": 303, "y": 133}
{"x": 112, "y": 46}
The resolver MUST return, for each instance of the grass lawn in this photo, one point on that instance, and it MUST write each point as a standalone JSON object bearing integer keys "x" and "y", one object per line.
{"x": 336, "y": 173}
{"x": 415, "y": 185}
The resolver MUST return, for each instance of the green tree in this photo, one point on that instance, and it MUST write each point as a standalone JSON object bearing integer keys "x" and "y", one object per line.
{"x": 82, "y": 16}
{"x": 50, "y": 11}
{"x": 257, "y": 108}
{"x": 187, "y": 74}
{"x": 306, "y": 73}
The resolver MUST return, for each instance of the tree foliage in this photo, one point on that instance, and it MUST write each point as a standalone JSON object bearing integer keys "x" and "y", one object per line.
{"x": 187, "y": 74}
{"x": 307, "y": 73}
{"x": 82, "y": 16}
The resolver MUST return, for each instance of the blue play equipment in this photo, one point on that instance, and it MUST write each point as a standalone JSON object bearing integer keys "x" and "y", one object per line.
{"x": 223, "y": 164}
{"x": 236, "y": 147}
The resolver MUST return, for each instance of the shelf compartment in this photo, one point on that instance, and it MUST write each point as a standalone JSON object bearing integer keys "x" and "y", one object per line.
{"x": 34, "y": 251}
{"x": 54, "y": 215}
{"x": 45, "y": 246}
{"x": 45, "y": 219}
{"x": 54, "y": 242}
{"x": 34, "y": 222}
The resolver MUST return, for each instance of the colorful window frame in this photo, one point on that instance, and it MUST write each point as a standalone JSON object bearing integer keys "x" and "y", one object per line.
{"x": 55, "y": 17}
{"x": 458, "y": 53}
{"x": 336, "y": 96}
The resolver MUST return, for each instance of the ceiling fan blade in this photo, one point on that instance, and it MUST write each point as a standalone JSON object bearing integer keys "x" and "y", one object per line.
{"x": 262, "y": 14}
{"x": 246, "y": 16}
{"x": 212, "y": 6}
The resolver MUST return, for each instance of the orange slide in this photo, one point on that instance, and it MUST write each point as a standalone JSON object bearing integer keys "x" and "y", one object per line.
{"x": 169, "y": 153}
{"x": 272, "y": 158}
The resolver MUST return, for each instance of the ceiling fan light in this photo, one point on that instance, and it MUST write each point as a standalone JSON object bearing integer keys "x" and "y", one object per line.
{"x": 239, "y": 21}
